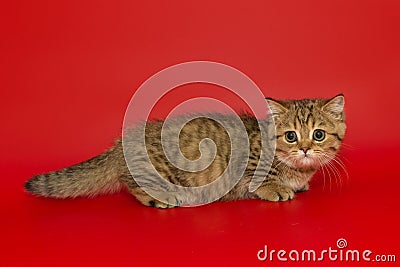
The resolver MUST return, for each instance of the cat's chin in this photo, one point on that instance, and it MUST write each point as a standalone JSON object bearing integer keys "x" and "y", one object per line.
{"x": 306, "y": 163}
{"x": 303, "y": 163}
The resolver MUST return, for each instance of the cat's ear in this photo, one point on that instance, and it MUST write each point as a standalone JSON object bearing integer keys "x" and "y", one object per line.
{"x": 335, "y": 106}
{"x": 276, "y": 108}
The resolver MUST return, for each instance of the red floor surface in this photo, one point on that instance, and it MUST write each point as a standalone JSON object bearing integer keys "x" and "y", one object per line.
{"x": 69, "y": 68}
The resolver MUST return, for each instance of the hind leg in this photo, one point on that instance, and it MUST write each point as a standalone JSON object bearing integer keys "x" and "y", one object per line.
{"x": 169, "y": 200}
{"x": 148, "y": 200}
{"x": 145, "y": 198}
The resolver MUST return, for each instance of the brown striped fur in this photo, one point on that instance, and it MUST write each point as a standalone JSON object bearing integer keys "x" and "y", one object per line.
{"x": 290, "y": 172}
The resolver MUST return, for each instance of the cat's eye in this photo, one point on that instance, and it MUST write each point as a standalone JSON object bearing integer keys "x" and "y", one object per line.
{"x": 319, "y": 135}
{"x": 291, "y": 136}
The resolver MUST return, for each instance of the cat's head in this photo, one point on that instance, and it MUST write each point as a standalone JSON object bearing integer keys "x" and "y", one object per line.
{"x": 309, "y": 132}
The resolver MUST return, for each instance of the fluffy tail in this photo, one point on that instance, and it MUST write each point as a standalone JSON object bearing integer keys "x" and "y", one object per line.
{"x": 99, "y": 175}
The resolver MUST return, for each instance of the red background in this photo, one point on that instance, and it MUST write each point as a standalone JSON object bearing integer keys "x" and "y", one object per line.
{"x": 69, "y": 69}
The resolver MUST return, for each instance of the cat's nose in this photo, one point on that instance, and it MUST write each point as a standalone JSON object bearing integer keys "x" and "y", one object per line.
{"x": 305, "y": 149}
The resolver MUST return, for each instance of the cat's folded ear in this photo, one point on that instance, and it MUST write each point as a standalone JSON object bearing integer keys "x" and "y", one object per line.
{"x": 276, "y": 108}
{"x": 335, "y": 107}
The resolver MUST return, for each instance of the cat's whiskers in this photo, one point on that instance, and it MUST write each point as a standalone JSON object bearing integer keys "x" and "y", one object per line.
{"x": 285, "y": 167}
{"x": 328, "y": 171}
{"x": 283, "y": 160}
{"x": 322, "y": 170}
{"x": 339, "y": 162}
{"x": 338, "y": 178}
{"x": 332, "y": 162}
{"x": 347, "y": 146}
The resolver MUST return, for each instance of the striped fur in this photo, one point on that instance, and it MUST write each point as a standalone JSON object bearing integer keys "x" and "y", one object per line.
{"x": 290, "y": 172}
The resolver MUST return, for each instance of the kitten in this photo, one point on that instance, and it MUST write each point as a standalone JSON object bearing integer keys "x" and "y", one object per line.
{"x": 308, "y": 135}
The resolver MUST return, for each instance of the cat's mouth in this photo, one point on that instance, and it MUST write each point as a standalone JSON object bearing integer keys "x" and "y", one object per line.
{"x": 305, "y": 161}
{"x": 301, "y": 161}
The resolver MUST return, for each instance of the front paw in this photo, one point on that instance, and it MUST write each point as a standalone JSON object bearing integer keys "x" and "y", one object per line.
{"x": 306, "y": 187}
{"x": 275, "y": 192}
{"x": 166, "y": 201}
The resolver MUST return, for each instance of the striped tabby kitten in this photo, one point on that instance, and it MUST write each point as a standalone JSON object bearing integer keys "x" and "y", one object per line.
{"x": 308, "y": 135}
